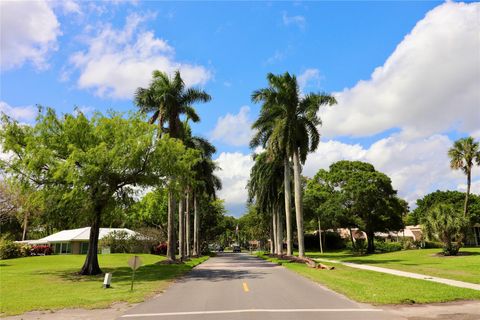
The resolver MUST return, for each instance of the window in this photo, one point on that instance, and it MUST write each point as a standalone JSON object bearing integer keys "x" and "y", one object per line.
{"x": 63, "y": 247}
{"x": 58, "y": 247}
{"x": 83, "y": 247}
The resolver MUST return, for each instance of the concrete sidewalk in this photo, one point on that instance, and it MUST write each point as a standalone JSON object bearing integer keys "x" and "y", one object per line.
{"x": 455, "y": 283}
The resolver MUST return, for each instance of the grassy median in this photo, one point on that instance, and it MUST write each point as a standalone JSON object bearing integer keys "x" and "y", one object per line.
{"x": 379, "y": 288}
{"x": 52, "y": 282}
{"x": 464, "y": 267}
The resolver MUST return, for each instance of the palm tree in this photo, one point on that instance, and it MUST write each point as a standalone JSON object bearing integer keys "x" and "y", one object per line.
{"x": 287, "y": 127}
{"x": 266, "y": 189}
{"x": 168, "y": 98}
{"x": 464, "y": 153}
{"x": 444, "y": 223}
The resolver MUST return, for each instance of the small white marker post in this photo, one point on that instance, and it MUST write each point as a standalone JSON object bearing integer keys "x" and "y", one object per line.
{"x": 134, "y": 263}
{"x": 107, "y": 280}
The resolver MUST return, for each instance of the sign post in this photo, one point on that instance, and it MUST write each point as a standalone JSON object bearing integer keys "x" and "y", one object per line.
{"x": 134, "y": 263}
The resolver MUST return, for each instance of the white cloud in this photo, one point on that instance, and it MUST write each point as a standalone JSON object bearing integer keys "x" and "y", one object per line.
{"x": 299, "y": 21}
{"x": 234, "y": 173}
{"x": 308, "y": 78}
{"x": 22, "y": 114}
{"x": 429, "y": 84}
{"x": 29, "y": 31}
{"x": 234, "y": 129}
{"x": 119, "y": 61}
{"x": 416, "y": 166}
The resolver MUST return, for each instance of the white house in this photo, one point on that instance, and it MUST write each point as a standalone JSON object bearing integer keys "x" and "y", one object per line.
{"x": 75, "y": 240}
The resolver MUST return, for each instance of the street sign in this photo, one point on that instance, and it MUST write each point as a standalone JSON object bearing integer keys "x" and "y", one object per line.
{"x": 135, "y": 262}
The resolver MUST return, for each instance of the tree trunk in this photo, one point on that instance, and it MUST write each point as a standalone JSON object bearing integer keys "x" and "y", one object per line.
{"x": 298, "y": 203}
{"x": 171, "y": 227}
{"x": 271, "y": 241}
{"x": 469, "y": 182}
{"x": 187, "y": 225}
{"x": 91, "y": 267}
{"x": 288, "y": 205}
{"x": 274, "y": 227}
{"x": 320, "y": 235}
{"x": 370, "y": 242}
{"x": 181, "y": 229}
{"x": 195, "y": 227}
{"x": 352, "y": 238}
{"x": 279, "y": 234}
{"x": 25, "y": 226}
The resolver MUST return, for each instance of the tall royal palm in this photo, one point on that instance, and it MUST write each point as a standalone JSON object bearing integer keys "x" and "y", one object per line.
{"x": 287, "y": 127}
{"x": 463, "y": 155}
{"x": 265, "y": 187}
{"x": 167, "y": 98}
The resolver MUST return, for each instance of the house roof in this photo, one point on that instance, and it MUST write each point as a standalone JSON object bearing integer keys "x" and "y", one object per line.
{"x": 81, "y": 234}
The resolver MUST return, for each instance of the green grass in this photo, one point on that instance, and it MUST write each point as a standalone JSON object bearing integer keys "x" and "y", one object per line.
{"x": 465, "y": 267}
{"x": 379, "y": 288}
{"x": 52, "y": 282}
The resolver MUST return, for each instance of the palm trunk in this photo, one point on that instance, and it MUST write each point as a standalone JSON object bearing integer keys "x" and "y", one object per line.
{"x": 279, "y": 234}
{"x": 181, "y": 230}
{"x": 274, "y": 227}
{"x": 288, "y": 205}
{"x": 320, "y": 235}
{"x": 352, "y": 239}
{"x": 469, "y": 182}
{"x": 25, "y": 226}
{"x": 298, "y": 203}
{"x": 187, "y": 225}
{"x": 195, "y": 226}
{"x": 91, "y": 267}
{"x": 171, "y": 227}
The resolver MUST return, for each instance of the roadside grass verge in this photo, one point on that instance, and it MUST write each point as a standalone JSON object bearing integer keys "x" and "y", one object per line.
{"x": 378, "y": 288}
{"x": 465, "y": 267}
{"x": 52, "y": 282}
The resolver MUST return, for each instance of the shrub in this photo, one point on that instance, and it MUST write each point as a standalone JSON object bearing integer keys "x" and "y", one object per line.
{"x": 25, "y": 250}
{"x": 383, "y": 246}
{"x": 9, "y": 249}
{"x": 360, "y": 246}
{"x": 432, "y": 245}
{"x": 122, "y": 242}
{"x": 39, "y": 250}
{"x": 160, "y": 249}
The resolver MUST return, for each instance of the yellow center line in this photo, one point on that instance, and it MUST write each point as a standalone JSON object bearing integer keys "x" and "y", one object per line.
{"x": 245, "y": 287}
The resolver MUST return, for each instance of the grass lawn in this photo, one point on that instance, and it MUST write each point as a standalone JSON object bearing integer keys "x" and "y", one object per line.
{"x": 51, "y": 282}
{"x": 379, "y": 288}
{"x": 465, "y": 267}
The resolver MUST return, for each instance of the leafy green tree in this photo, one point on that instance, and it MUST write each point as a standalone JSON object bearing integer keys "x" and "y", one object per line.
{"x": 287, "y": 127}
{"x": 445, "y": 223}
{"x": 150, "y": 211}
{"x": 95, "y": 162}
{"x": 254, "y": 225}
{"x": 367, "y": 197}
{"x": 167, "y": 99}
{"x": 463, "y": 155}
{"x": 454, "y": 198}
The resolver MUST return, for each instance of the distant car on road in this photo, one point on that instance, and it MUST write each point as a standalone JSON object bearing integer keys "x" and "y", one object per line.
{"x": 219, "y": 249}
{"x": 237, "y": 249}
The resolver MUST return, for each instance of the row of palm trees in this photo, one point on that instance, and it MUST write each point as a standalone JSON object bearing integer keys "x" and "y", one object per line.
{"x": 287, "y": 128}
{"x": 167, "y": 99}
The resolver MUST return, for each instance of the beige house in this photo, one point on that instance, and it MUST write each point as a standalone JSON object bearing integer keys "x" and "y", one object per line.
{"x": 74, "y": 241}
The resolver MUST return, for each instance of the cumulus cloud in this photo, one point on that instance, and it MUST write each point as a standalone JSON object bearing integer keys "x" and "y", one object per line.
{"x": 429, "y": 84}
{"x": 298, "y": 20}
{"x": 22, "y": 113}
{"x": 118, "y": 61}
{"x": 416, "y": 166}
{"x": 29, "y": 31}
{"x": 234, "y": 129}
{"x": 234, "y": 173}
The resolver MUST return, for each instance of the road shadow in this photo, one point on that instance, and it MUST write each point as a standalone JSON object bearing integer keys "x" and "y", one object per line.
{"x": 216, "y": 275}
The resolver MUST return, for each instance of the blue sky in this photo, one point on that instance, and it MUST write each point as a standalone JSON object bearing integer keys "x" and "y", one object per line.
{"x": 389, "y": 63}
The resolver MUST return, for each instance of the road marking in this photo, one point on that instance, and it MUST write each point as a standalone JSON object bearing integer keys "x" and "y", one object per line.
{"x": 245, "y": 287}
{"x": 244, "y": 311}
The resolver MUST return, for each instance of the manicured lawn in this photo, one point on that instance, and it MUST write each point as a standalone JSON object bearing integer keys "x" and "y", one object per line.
{"x": 51, "y": 282}
{"x": 378, "y": 288}
{"x": 465, "y": 267}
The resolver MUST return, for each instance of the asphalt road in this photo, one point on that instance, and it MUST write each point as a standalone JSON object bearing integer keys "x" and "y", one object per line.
{"x": 240, "y": 286}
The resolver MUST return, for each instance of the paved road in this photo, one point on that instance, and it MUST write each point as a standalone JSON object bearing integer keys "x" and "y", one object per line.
{"x": 239, "y": 286}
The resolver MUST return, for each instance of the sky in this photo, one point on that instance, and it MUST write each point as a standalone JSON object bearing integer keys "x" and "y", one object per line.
{"x": 406, "y": 75}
